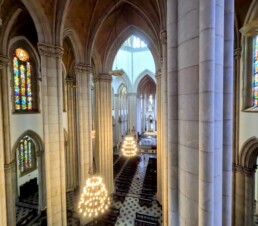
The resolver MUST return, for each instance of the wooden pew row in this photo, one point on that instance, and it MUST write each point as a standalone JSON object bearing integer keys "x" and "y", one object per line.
{"x": 146, "y": 220}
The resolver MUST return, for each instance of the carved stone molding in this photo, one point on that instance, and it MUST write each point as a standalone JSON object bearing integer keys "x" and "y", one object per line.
{"x": 237, "y": 53}
{"x": 9, "y": 167}
{"x": 242, "y": 169}
{"x": 4, "y": 61}
{"x": 80, "y": 68}
{"x": 102, "y": 77}
{"x": 71, "y": 81}
{"x": 50, "y": 51}
{"x": 158, "y": 74}
{"x": 163, "y": 36}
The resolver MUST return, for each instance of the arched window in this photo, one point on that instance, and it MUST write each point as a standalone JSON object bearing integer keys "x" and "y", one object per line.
{"x": 255, "y": 73}
{"x": 23, "y": 86}
{"x": 26, "y": 155}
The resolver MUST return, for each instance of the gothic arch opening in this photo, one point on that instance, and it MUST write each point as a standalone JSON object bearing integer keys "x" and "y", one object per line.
{"x": 146, "y": 105}
{"x": 246, "y": 183}
{"x": 29, "y": 174}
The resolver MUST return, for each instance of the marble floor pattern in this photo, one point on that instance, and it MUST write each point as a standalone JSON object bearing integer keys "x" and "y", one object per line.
{"x": 127, "y": 210}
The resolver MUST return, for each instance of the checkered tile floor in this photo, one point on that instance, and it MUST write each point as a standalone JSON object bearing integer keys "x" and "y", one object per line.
{"x": 127, "y": 210}
{"x": 138, "y": 179}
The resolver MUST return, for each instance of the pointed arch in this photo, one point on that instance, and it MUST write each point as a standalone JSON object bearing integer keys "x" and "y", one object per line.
{"x": 118, "y": 81}
{"x": 110, "y": 10}
{"x": 8, "y": 29}
{"x": 37, "y": 141}
{"x": 124, "y": 35}
{"x": 76, "y": 44}
{"x": 146, "y": 73}
{"x": 40, "y": 20}
{"x": 249, "y": 153}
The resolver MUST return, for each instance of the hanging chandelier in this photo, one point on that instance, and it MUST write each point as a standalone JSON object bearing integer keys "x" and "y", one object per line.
{"x": 129, "y": 148}
{"x": 94, "y": 199}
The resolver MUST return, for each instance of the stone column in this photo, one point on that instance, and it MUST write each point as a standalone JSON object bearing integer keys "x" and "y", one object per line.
{"x": 139, "y": 124}
{"x": 172, "y": 87}
{"x": 164, "y": 127}
{"x": 132, "y": 111}
{"x": 207, "y": 62}
{"x": 159, "y": 134}
{"x": 41, "y": 180}
{"x": 83, "y": 74}
{"x": 117, "y": 125}
{"x": 144, "y": 112}
{"x": 52, "y": 110}
{"x": 8, "y": 163}
{"x": 11, "y": 192}
{"x": 104, "y": 145}
{"x": 71, "y": 148}
{"x": 249, "y": 199}
{"x": 7, "y": 197}
{"x": 244, "y": 198}
{"x": 228, "y": 113}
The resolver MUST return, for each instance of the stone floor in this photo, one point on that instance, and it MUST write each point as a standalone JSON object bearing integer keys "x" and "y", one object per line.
{"x": 127, "y": 210}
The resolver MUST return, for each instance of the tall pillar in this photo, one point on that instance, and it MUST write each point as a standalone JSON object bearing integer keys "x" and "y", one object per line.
{"x": 41, "y": 180}
{"x": 83, "y": 74}
{"x": 164, "y": 127}
{"x": 104, "y": 143}
{"x": 52, "y": 110}
{"x": 206, "y": 111}
{"x": 172, "y": 86}
{"x": 144, "y": 112}
{"x": 117, "y": 125}
{"x": 228, "y": 113}
{"x": 132, "y": 111}
{"x": 10, "y": 187}
{"x": 71, "y": 148}
{"x": 7, "y": 161}
{"x": 159, "y": 134}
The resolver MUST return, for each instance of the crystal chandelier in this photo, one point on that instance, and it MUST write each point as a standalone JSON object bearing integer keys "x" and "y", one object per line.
{"x": 129, "y": 148}
{"x": 94, "y": 199}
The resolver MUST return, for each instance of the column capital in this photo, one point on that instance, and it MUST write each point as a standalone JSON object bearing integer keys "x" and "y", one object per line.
{"x": 80, "y": 68}
{"x": 158, "y": 74}
{"x": 4, "y": 60}
{"x": 163, "y": 36}
{"x": 244, "y": 170}
{"x": 102, "y": 77}
{"x": 50, "y": 50}
{"x": 131, "y": 94}
{"x": 237, "y": 53}
{"x": 9, "y": 167}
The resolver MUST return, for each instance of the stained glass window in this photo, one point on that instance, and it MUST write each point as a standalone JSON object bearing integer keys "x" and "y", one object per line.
{"x": 255, "y": 75}
{"x": 26, "y": 153}
{"x": 22, "y": 81}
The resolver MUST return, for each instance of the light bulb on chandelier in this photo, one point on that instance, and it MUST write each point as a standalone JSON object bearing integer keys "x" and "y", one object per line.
{"x": 129, "y": 147}
{"x": 94, "y": 198}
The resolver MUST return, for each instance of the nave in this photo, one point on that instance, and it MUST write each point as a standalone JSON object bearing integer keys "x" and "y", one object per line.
{"x": 137, "y": 198}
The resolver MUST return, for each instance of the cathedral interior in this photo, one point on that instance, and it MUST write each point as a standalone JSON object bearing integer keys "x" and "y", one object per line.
{"x": 147, "y": 106}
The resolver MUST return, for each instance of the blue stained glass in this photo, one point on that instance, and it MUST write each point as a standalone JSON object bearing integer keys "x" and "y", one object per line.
{"x": 255, "y": 71}
{"x": 22, "y": 81}
{"x": 26, "y": 155}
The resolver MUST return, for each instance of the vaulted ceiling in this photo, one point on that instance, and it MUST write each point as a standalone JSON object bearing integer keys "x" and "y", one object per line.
{"x": 98, "y": 24}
